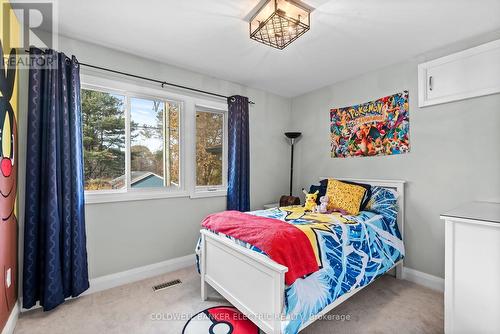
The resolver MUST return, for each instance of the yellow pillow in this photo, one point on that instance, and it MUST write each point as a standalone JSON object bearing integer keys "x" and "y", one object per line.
{"x": 345, "y": 197}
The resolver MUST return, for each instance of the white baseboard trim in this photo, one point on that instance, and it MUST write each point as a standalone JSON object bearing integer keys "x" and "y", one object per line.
{"x": 10, "y": 325}
{"x": 421, "y": 278}
{"x": 133, "y": 275}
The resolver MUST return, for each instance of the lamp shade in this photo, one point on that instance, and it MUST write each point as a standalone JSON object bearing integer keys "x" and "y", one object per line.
{"x": 293, "y": 135}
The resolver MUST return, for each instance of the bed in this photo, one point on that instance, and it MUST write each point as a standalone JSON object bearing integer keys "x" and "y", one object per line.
{"x": 255, "y": 284}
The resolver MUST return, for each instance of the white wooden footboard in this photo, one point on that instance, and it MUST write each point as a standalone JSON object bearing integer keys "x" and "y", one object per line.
{"x": 250, "y": 281}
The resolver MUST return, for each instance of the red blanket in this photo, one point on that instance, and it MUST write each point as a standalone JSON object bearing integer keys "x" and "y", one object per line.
{"x": 282, "y": 242}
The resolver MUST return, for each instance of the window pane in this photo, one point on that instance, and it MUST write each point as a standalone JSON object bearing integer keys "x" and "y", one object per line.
{"x": 103, "y": 116}
{"x": 173, "y": 132}
{"x": 154, "y": 147}
{"x": 209, "y": 151}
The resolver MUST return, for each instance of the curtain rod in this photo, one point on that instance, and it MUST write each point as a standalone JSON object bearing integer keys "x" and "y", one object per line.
{"x": 163, "y": 83}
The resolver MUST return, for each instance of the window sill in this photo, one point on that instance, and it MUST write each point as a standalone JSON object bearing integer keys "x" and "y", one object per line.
{"x": 206, "y": 193}
{"x": 110, "y": 197}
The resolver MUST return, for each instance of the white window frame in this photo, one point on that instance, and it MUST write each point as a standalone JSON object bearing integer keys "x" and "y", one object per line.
{"x": 187, "y": 137}
{"x": 217, "y": 190}
{"x": 128, "y": 120}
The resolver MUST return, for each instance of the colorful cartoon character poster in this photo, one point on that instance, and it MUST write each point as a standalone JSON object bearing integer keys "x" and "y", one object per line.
{"x": 379, "y": 127}
{"x": 9, "y": 94}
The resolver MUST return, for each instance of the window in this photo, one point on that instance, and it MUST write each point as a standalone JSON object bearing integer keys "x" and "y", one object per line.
{"x": 142, "y": 142}
{"x": 154, "y": 147}
{"x": 153, "y": 134}
{"x": 103, "y": 116}
{"x": 210, "y": 150}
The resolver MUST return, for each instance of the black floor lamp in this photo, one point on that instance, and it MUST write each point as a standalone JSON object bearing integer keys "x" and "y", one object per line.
{"x": 291, "y": 200}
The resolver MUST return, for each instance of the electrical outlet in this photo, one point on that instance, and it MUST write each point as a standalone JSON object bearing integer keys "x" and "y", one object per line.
{"x": 8, "y": 278}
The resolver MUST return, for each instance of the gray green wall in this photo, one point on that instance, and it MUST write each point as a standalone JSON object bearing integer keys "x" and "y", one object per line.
{"x": 127, "y": 235}
{"x": 454, "y": 158}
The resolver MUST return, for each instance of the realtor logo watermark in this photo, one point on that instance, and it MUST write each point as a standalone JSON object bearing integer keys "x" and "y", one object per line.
{"x": 37, "y": 27}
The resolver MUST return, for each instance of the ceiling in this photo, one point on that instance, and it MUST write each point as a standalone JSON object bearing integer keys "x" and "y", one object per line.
{"x": 347, "y": 37}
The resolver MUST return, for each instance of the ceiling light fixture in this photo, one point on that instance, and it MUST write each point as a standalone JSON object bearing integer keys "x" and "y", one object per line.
{"x": 280, "y": 22}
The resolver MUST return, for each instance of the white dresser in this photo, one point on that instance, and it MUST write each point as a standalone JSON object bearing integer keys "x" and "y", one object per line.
{"x": 472, "y": 268}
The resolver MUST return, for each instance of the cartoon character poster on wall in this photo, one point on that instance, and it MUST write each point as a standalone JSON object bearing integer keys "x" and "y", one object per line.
{"x": 379, "y": 127}
{"x": 8, "y": 182}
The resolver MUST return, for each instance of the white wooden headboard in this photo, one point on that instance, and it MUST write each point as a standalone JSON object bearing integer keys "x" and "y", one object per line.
{"x": 397, "y": 185}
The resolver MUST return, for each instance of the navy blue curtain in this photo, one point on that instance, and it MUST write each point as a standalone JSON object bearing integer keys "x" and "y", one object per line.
{"x": 55, "y": 254}
{"x": 238, "y": 191}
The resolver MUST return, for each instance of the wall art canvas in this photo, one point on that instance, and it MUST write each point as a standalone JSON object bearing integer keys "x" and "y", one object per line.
{"x": 9, "y": 94}
{"x": 379, "y": 127}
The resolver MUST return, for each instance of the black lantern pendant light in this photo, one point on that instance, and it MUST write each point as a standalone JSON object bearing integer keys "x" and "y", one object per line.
{"x": 280, "y": 22}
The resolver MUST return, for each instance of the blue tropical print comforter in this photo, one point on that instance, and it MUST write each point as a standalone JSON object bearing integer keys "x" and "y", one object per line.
{"x": 351, "y": 251}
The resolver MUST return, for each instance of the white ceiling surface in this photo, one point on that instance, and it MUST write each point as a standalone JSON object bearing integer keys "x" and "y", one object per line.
{"x": 347, "y": 37}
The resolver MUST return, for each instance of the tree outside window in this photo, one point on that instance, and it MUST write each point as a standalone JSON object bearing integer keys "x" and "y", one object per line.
{"x": 209, "y": 148}
{"x": 154, "y": 138}
{"x": 103, "y": 116}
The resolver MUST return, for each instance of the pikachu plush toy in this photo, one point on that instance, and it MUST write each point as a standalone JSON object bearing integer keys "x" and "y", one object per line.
{"x": 310, "y": 204}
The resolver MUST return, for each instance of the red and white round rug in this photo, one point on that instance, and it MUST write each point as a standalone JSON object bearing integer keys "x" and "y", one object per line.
{"x": 220, "y": 320}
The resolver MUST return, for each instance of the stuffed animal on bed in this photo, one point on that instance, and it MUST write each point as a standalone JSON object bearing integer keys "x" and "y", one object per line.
{"x": 310, "y": 203}
{"x": 322, "y": 207}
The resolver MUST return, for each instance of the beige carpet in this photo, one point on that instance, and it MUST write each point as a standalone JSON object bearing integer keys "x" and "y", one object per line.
{"x": 386, "y": 306}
